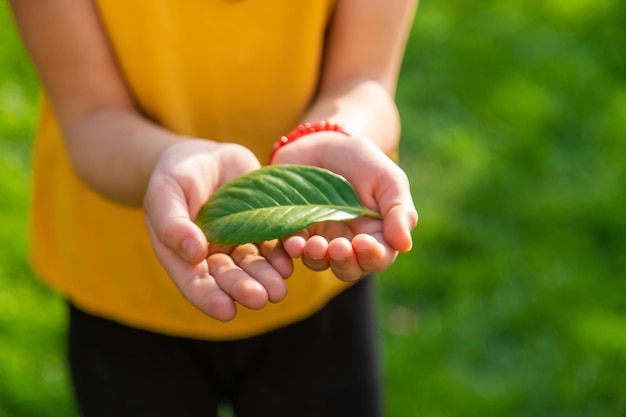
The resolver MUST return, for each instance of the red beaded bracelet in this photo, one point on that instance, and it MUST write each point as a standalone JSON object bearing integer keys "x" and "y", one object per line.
{"x": 302, "y": 130}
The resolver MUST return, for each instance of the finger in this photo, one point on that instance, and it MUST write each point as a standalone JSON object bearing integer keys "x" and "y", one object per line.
{"x": 236, "y": 282}
{"x": 249, "y": 259}
{"x": 294, "y": 244}
{"x": 277, "y": 256}
{"x": 373, "y": 255}
{"x": 343, "y": 260}
{"x": 167, "y": 214}
{"x": 203, "y": 291}
{"x": 397, "y": 209}
{"x": 398, "y": 224}
{"x": 195, "y": 283}
{"x": 315, "y": 253}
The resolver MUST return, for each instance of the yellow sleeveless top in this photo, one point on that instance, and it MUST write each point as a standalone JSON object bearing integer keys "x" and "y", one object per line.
{"x": 228, "y": 70}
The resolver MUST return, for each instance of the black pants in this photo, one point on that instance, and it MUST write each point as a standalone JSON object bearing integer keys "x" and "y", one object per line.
{"x": 324, "y": 366}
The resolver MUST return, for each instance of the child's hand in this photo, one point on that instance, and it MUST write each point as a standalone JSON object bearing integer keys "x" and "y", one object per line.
{"x": 211, "y": 277}
{"x": 364, "y": 245}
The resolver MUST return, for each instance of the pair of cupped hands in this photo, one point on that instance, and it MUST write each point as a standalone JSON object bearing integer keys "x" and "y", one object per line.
{"x": 214, "y": 278}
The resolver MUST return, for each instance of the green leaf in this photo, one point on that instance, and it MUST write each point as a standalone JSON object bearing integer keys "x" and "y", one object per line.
{"x": 276, "y": 201}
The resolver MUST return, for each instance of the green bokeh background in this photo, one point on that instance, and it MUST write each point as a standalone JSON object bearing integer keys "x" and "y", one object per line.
{"x": 513, "y": 299}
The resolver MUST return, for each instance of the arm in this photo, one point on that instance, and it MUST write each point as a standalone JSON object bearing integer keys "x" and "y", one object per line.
{"x": 112, "y": 148}
{"x": 362, "y": 61}
{"x": 130, "y": 160}
{"x": 364, "y": 52}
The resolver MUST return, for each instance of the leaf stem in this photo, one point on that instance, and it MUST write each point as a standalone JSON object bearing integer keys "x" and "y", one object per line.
{"x": 373, "y": 214}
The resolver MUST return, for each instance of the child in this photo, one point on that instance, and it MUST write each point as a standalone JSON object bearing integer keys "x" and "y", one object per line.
{"x": 149, "y": 107}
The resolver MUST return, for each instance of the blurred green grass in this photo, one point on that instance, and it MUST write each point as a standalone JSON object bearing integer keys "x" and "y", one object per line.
{"x": 512, "y": 301}
{"x": 33, "y": 376}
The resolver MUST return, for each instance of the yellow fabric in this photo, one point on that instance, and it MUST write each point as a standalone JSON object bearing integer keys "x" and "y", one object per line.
{"x": 228, "y": 70}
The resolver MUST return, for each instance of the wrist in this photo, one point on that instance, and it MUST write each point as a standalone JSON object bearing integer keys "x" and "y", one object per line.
{"x": 302, "y": 130}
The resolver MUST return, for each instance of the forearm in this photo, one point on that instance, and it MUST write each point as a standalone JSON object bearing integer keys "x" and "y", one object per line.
{"x": 111, "y": 146}
{"x": 361, "y": 68}
{"x": 114, "y": 151}
{"x": 363, "y": 108}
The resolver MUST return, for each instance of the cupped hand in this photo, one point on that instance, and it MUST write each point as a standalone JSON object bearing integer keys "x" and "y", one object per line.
{"x": 365, "y": 245}
{"x": 212, "y": 277}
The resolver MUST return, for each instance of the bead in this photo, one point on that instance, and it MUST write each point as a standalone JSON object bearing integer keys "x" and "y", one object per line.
{"x": 303, "y": 130}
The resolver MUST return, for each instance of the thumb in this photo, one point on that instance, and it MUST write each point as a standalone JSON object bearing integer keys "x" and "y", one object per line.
{"x": 182, "y": 237}
{"x": 398, "y": 210}
{"x": 398, "y": 225}
{"x": 168, "y": 220}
